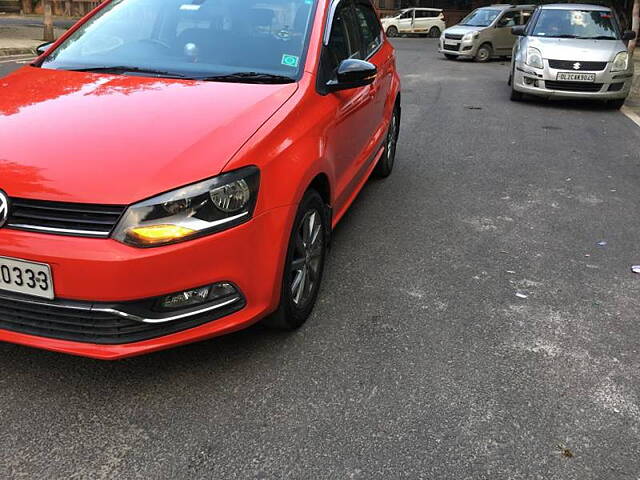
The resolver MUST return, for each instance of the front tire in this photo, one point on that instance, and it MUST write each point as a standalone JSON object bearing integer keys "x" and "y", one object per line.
{"x": 387, "y": 160}
{"x": 304, "y": 264}
{"x": 484, "y": 53}
{"x": 392, "y": 32}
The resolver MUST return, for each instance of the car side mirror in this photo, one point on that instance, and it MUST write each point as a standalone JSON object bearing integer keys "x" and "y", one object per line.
{"x": 628, "y": 35}
{"x": 40, "y": 49}
{"x": 518, "y": 31}
{"x": 352, "y": 73}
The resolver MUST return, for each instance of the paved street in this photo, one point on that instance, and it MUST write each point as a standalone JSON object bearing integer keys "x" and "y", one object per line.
{"x": 420, "y": 361}
{"x": 9, "y": 64}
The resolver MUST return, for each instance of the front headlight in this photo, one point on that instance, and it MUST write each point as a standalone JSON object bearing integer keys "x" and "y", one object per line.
{"x": 200, "y": 209}
{"x": 470, "y": 36}
{"x": 534, "y": 58}
{"x": 620, "y": 62}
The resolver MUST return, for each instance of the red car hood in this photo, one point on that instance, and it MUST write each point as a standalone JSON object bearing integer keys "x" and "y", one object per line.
{"x": 81, "y": 137}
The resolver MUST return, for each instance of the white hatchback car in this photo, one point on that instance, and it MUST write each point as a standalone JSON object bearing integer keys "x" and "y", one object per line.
{"x": 415, "y": 20}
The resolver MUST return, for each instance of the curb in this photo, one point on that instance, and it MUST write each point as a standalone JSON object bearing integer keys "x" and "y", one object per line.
{"x": 6, "y": 52}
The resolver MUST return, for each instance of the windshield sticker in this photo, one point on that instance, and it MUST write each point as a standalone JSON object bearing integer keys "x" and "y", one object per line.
{"x": 577, "y": 18}
{"x": 189, "y": 7}
{"x": 290, "y": 60}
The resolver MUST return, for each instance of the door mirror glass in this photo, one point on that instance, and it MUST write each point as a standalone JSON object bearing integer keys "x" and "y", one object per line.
{"x": 353, "y": 73}
{"x": 40, "y": 49}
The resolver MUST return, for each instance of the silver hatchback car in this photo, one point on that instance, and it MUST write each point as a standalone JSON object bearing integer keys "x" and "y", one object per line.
{"x": 572, "y": 51}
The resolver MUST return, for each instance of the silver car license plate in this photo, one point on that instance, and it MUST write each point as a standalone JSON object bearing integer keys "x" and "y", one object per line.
{"x": 29, "y": 278}
{"x": 576, "y": 77}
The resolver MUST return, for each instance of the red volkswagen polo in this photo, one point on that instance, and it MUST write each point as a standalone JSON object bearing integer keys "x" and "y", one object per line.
{"x": 171, "y": 170}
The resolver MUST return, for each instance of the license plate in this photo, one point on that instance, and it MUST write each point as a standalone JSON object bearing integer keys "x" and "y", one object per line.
{"x": 449, "y": 44}
{"x": 576, "y": 77}
{"x": 29, "y": 278}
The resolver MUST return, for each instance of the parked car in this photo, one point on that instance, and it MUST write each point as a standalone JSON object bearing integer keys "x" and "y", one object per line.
{"x": 484, "y": 33}
{"x": 415, "y": 20}
{"x": 191, "y": 161}
{"x": 572, "y": 51}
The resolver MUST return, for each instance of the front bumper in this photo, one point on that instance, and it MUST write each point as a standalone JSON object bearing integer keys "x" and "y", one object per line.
{"x": 542, "y": 82}
{"x": 105, "y": 272}
{"x": 458, "y": 48}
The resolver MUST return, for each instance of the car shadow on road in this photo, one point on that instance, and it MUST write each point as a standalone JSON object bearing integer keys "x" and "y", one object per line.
{"x": 568, "y": 104}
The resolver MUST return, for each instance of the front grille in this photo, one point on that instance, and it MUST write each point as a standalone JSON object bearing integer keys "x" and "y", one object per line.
{"x": 79, "y": 322}
{"x": 454, "y": 48}
{"x": 573, "y": 86}
{"x": 570, "y": 65}
{"x": 76, "y": 219}
{"x": 453, "y": 36}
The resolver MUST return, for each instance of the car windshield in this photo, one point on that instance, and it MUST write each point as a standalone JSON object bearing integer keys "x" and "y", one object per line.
{"x": 482, "y": 17}
{"x": 235, "y": 40}
{"x": 590, "y": 24}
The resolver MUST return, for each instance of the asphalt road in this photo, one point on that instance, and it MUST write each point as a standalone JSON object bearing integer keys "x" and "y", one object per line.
{"x": 9, "y": 64}
{"x": 420, "y": 361}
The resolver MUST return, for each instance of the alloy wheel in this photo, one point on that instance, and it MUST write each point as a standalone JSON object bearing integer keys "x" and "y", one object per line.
{"x": 307, "y": 256}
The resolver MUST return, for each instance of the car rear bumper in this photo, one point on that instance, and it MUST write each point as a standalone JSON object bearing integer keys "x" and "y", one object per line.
{"x": 105, "y": 272}
{"x": 542, "y": 82}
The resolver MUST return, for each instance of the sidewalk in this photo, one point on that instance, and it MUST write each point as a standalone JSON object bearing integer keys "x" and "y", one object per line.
{"x": 21, "y": 35}
{"x": 634, "y": 98}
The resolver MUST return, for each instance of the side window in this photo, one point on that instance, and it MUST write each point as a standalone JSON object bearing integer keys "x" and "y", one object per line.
{"x": 526, "y": 15}
{"x": 370, "y": 29}
{"x": 344, "y": 41}
{"x": 408, "y": 14}
{"x": 509, "y": 19}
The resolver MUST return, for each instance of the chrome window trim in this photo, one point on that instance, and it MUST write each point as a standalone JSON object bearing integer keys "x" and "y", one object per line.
{"x": 327, "y": 27}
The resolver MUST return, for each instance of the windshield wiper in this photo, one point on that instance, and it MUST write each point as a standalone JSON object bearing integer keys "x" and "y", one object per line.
{"x": 119, "y": 69}
{"x": 600, "y": 37}
{"x": 248, "y": 77}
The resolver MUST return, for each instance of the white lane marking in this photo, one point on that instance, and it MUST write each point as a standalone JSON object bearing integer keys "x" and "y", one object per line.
{"x": 633, "y": 116}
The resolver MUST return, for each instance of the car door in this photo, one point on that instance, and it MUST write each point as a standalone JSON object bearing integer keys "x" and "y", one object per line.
{"x": 422, "y": 21}
{"x": 405, "y": 22}
{"x": 349, "y": 132}
{"x": 503, "y": 39}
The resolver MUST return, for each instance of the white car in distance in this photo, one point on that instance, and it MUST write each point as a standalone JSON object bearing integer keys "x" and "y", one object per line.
{"x": 428, "y": 21}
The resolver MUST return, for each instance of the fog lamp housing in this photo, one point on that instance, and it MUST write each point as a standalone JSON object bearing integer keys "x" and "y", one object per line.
{"x": 195, "y": 297}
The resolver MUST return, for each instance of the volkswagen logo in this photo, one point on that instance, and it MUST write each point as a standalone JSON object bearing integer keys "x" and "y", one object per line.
{"x": 577, "y": 65}
{"x": 4, "y": 208}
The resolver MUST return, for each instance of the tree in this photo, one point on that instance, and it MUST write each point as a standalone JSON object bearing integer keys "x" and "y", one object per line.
{"x": 635, "y": 25}
{"x": 48, "y": 22}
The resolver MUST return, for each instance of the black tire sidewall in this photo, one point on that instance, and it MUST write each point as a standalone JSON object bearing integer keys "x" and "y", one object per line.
{"x": 290, "y": 315}
{"x": 488, "y": 49}
{"x": 383, "y": 169}
{"x": 392, "y": 32}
